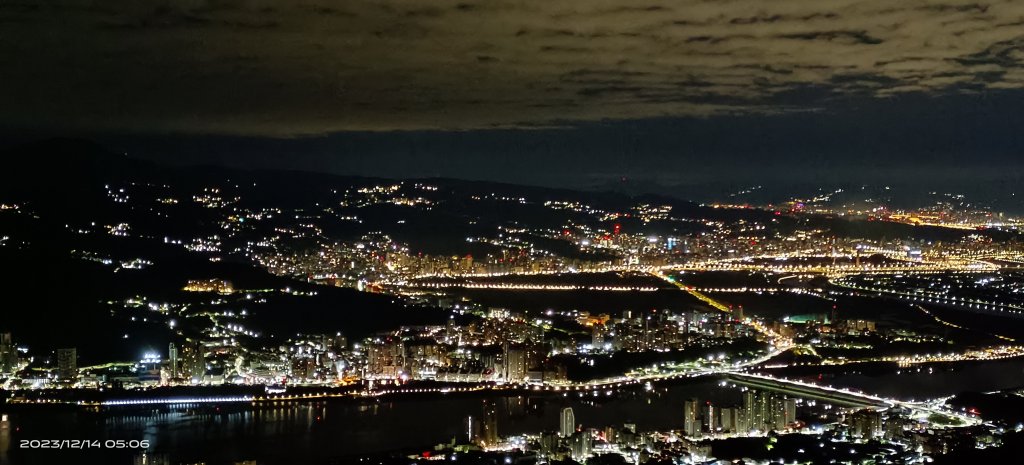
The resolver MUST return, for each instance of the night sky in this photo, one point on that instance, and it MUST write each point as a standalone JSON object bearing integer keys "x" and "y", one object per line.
{"x": 567, "y": 93}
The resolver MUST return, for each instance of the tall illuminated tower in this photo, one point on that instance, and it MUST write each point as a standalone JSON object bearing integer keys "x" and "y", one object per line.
{"x": 568, "y": 423}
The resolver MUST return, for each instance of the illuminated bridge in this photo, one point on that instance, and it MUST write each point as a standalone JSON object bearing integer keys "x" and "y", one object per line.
{"x": 831, "y": 395}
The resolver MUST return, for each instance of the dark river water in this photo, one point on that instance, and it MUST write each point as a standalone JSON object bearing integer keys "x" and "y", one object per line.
{"x": 332, "y": 432}
{"x": 934, "y": 380}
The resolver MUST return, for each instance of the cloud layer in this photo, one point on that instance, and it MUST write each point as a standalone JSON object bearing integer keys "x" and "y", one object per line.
{"x": 294, "y": 67}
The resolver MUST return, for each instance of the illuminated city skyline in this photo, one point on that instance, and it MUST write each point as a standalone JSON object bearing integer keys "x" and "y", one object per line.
{"x": 563, "y": 232}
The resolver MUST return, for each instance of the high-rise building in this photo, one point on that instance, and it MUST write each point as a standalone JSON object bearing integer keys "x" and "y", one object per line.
{"x": 611, "y": 434}
{"x": 730, "y": 418}
{"x": 866, "y": 424}
{"x": 516, "y": 364}
{"x": 489, "y": 424}
{"x": 568, "y": 422}
{"x": 749, "y": 411}
{"x": 8, "y": 354}
{"x": 894, "y": 425}
{"x": 387, "y": 360}
{"x": 548, "y": 443}
{"x": 193, "y": 361}
{"x": 742, "y": 424}
{"x": 691, "y": 417}
{"x": 67, "y": 364}
{"x": 597, "y": 336}
{"x": 581, "y": 446}
{"x": 763, "y": 410}
{"x": 710, "y": 417}
{"x": 790, "y": 410}
{"x": 338, "y": 342}
{"x": 472, "y": 428}
{"x": 172, "y": 357}
{"x": 777, "y": 413}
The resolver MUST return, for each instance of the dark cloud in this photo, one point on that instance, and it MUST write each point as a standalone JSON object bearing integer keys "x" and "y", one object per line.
{"x": 861, "y": 37}
{"x": 1006, "y": 54}
{"x": 307, "y": 67}
{"x": 756, "y": 19}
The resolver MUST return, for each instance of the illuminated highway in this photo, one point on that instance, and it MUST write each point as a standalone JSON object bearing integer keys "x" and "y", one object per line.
{"x": 777, "y": 341}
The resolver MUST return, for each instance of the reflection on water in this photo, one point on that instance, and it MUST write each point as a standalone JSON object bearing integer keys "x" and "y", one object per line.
{"x": 5, "y": 438}
{"x": 938, "y": 380}
{"x": 321, "y": 431}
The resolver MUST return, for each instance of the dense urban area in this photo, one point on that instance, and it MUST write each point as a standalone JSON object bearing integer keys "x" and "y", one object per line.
{"x": 145, "y": 291}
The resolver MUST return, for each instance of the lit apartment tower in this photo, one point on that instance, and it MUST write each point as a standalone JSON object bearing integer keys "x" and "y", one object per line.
{"x": 691, "y": 417}
{"x": 866, "y": 424}
{"x": 757, "y": 407}
{"x": 387, "y": 360}
{"x": 764, "y": 411}
{"x": 451, "y": 331}
{"x": 742, "y": 422}
{"x": 581, "y": 446}
{"x": 472, "y": 428}
{"x": 790, "y": 410}
{"x": 193, "y": 362}
{"x": 597, "y": 336}
{"x": 710, "y": 417}
{"x": 515, "y": 364}
{"x": 568, "y": 424}
{"x": 548, "y": 443}
{"x": 730, "y": 418}
{"x": 489, "y": 425}
{"x": 778, "y": 413}
{"x": 8, "y": 354}
{"x": 172, "y": 357}
{"x": 749, "y": 420}
{"x": 67, "y": 364}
